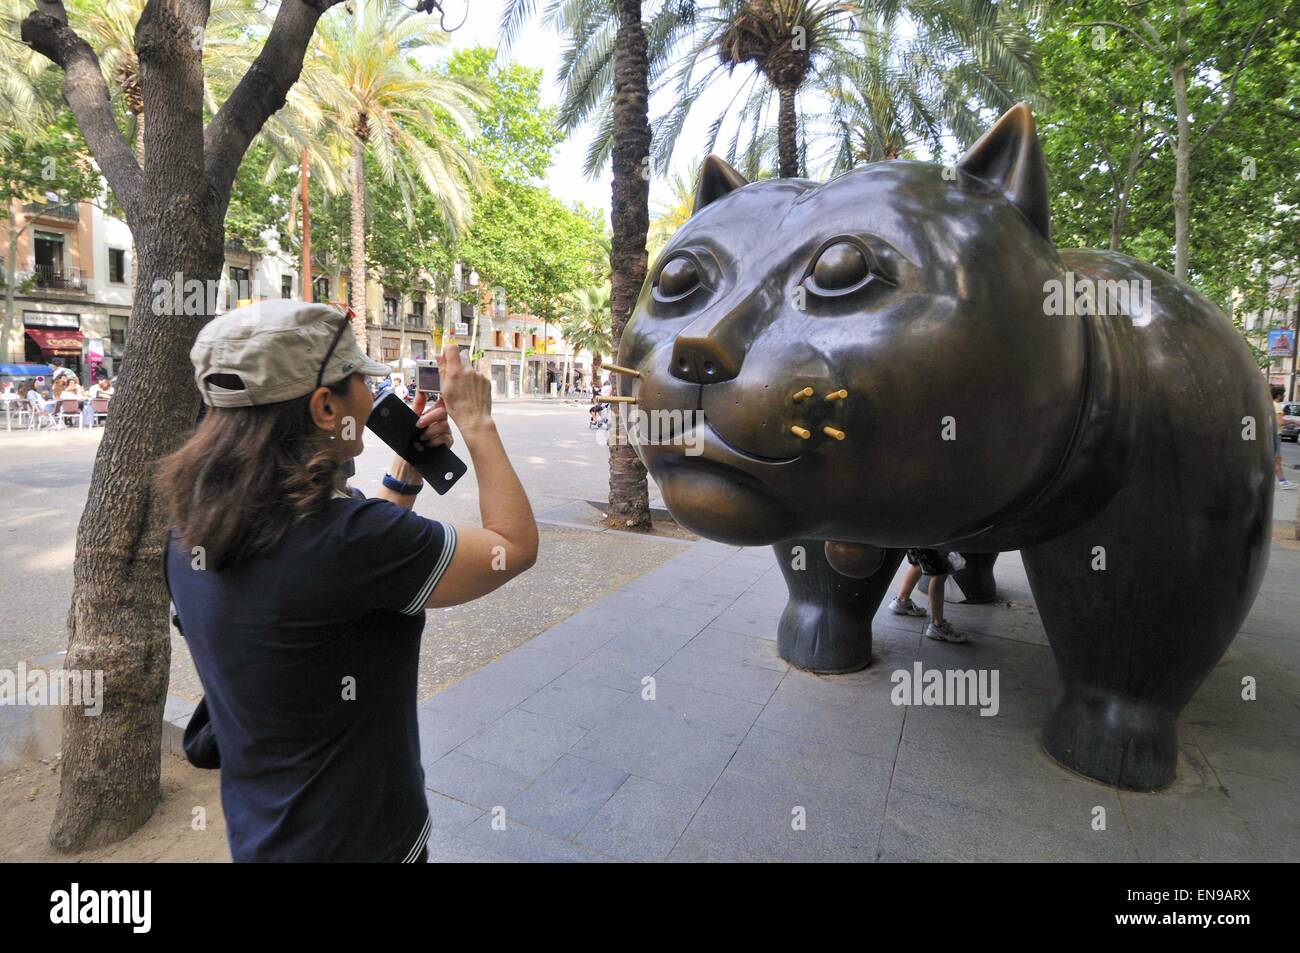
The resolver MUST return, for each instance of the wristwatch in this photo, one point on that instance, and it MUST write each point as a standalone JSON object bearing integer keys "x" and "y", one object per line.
{"x": 397, "y": 486}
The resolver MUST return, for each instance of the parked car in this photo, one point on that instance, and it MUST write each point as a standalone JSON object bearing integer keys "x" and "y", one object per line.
{"x": 1291, "y": 421}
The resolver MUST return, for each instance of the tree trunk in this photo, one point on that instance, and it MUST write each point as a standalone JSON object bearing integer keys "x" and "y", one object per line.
{"x": 304, "y": 280}
{"x": 118, "y": 623}
{"x": 523, "y": 370}
{"x": 787, "y": 133}
{"x": 357, "y": 282}
{"x": 135, "y": 246}
{"x": 11, "y": 279}
{"x": 1182, "y": 160}
{"x": 1136, "y": 157}
{"x": 629, "y": 494}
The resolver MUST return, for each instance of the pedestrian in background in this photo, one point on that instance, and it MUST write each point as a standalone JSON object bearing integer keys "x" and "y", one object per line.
{"x": 934, "y": 564}
{"x": 1278, "y": 392}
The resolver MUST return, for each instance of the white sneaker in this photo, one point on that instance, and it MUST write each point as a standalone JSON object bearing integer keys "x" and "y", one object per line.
{"x": 944, "y": 632}
{"x": 905, "y": 607}
{"x": 1286, "y": 485}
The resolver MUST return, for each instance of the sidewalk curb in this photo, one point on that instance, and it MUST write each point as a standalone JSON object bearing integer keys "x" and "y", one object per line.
{"x": 176, "y": 715}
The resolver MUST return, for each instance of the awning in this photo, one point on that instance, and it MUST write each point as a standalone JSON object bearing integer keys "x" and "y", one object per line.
{"x": 25, "y": 370}
{"x": 63, "y": 342}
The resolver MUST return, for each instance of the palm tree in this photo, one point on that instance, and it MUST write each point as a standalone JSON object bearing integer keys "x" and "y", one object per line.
{"x": 625, "y": 49}
{"x": 109, "y": 27}
{"x": 398, "y": 112}
{"x": 908, "y": 86}
{"x": 854, "y": 61}
{"x": 587, "y": 327}
{"x": 23, "y": 106}
{"x": 670, "y": 215}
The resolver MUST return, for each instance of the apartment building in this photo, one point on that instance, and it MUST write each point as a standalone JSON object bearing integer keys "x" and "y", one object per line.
{"x": 76, "y": 261}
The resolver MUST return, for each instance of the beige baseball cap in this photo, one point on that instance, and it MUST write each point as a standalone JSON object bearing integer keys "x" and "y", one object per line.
{"x": 275, "y": 349}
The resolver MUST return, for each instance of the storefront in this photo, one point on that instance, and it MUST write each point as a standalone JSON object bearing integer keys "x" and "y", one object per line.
{"x": 54, "y": 339}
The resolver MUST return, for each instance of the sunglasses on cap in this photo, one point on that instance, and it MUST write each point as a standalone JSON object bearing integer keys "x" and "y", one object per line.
{"x": 348, "y": 315}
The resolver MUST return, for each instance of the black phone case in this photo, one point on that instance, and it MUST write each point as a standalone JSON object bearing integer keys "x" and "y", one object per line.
{"x": 395, "y": 424}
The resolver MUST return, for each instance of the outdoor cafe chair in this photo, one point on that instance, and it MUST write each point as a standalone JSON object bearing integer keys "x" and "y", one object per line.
{"x": 69, "y": 409}
{"x": 100, "y": 407}
{"x": 18, "y": 412}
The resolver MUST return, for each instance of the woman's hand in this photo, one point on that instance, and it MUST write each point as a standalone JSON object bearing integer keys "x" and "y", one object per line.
{"x": 466, "y": 394}
{"x": 434, "y": 426}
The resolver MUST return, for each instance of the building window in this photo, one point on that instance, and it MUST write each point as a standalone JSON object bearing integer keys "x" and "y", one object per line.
{"x": 392, "y": 349}
{"x": 49, "y": 260}
{"x": 498, "y": 339}
{"x": 519, "y": 339}
{"x": 390, "y": 312}
{"x": 117, "y": 265}
{"x": 417, "y": 350}
{"x": 321, "y": 288}
{"x": 238, "y": 289}
{"x": 286, "y": 286}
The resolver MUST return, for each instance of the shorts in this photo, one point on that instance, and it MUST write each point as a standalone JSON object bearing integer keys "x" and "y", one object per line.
{"x": 931, "y": 561}
{"x": 1277, "y": 443}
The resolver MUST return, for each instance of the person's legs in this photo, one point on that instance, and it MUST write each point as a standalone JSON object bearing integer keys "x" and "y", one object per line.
{"x": 902, "y": 603}
{"x": 936, "y": 597}
{"x": 911, "y": 576}
{"x": 936, "y": 566}
{"x": 1282, "y": 482}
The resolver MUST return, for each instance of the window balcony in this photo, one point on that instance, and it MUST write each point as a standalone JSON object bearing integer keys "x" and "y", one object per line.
{"x": 54, "y": 278}
{"x": 67, "y": 212}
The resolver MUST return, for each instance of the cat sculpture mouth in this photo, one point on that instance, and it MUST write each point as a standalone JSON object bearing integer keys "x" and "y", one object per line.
{"x": 703, "y": 441}
{"x": 741, "y": 452}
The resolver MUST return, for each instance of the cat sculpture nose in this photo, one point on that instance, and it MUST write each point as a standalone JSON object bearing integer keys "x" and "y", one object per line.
{"x": 701, "y": 360}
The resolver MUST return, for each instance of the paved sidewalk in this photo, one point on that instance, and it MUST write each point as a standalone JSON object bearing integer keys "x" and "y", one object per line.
{"x": 552, "y": 753}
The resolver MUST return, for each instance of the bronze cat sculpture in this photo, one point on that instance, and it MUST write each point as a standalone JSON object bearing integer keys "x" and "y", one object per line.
{"x": 900, "y": 357}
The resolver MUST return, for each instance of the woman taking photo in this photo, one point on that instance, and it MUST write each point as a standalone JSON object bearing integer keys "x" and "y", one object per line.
{"x": 303, "y": 602}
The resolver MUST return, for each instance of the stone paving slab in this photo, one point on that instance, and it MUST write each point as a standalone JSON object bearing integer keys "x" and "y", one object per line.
{"x": 660, "y": 723}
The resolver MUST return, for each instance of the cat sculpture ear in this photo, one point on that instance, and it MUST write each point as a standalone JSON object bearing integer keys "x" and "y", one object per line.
{"x": 716, "y": 180}
{"x": 1009, "y": 158}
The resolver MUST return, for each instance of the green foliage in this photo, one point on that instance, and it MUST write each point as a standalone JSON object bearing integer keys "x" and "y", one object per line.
{"x": 518, "y": 133}
{"x": 535, "y": 249}
{"x": 1108, "y": 100}
{"x": 256, "y": 205}
{"x": 52, "y": 160}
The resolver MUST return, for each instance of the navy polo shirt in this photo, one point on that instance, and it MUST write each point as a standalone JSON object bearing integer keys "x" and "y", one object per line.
{"x": 308, "y": 662}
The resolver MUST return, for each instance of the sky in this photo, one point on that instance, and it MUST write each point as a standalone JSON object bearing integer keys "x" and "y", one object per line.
{"x": 539, "y": 46}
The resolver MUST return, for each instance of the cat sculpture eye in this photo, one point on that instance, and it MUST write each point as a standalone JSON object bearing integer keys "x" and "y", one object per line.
{"x": 677, "y": 279}
{"x": 841, "y": 268}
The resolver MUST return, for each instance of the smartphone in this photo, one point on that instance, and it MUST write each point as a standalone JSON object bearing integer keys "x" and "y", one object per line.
{"x": 428, "y": 379}
{"x": 395, "y": 424}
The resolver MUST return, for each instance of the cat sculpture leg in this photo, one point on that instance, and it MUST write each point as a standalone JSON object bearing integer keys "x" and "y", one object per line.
{"x": 1139, "y": 603}
{"x": 826, "y": 626}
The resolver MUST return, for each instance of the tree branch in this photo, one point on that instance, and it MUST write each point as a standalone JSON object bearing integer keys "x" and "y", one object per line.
{"x": 1157, "y": 51}
{"x": 262, "y": 90}
{"x": 1232, "y": 86}
{"x": 46, "y": 31}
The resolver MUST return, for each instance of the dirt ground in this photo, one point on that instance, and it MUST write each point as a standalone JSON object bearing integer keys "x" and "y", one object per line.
{"x": 28, "y": 796}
